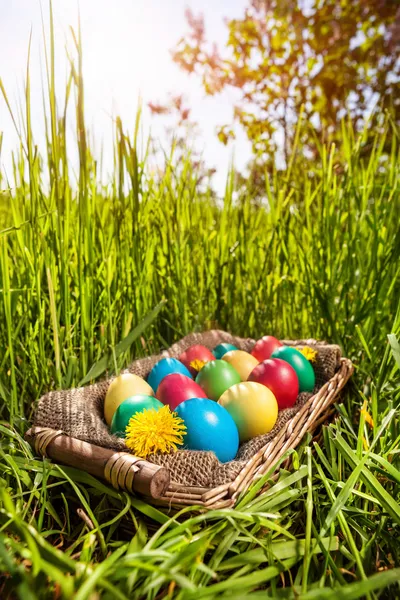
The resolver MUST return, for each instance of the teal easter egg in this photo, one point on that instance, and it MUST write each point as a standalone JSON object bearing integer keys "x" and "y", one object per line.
{"x": 209, "y": 426}
{"x": 222, "y": 349}
{"x": 164, "y": 367}
{"x": 128, "y": 408}
{"x": 216, "y": 377}
{"x": 302, "y": 366}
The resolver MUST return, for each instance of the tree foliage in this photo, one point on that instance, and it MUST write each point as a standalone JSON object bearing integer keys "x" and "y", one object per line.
{"x": 328, "y": 58}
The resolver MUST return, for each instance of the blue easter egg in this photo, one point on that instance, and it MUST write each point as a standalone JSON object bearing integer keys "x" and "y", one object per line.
{"x": 209, "y": 427}
{"x": 222, "y": 349}
{"x": 164, "y": 367}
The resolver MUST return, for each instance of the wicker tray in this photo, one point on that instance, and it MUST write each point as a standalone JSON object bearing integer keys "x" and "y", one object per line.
{"x": 125, "y": 471}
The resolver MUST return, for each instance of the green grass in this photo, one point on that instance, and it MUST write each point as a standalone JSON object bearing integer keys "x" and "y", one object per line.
{"x": 93, "y": 275}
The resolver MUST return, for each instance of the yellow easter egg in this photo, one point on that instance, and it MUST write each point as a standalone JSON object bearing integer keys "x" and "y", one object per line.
{"x": 252, "y": 406}
{"x": 122, "y": 387}
{"x": 243, "y": 362}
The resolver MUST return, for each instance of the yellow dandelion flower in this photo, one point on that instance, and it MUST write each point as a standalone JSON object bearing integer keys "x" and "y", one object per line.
{"x": 197, "y": 364}
{"x": 309, "y": 353}
{"x": 154, "y": 431}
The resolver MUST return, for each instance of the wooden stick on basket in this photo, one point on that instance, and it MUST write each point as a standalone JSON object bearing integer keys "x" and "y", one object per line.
{"x": 121, "y": 469}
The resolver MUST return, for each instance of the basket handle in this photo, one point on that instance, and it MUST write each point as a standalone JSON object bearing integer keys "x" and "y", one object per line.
{"x": 121, "y": 469}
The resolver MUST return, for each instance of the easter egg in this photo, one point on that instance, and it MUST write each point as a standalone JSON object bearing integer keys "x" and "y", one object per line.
{"x": 130, "y": 407}
{"x": 222, "y": 349}
{"x": 196, "y": 354}
{"x": 177, "y": 388}
{"x": 252, "y": 406}
{"x": 217, "y": 376}
{"x": 264, "y": 347}
{"x": 280, "y": 377}
{"x": 303, "y": 368}
{"x": 122, "y": 387}
{"x": 209, "y": 427}
{"x": 165, "y": 367}
{"x": 242, "y": 361}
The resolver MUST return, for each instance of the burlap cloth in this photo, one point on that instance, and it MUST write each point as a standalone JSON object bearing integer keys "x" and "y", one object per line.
{"x": 79, "y": 412}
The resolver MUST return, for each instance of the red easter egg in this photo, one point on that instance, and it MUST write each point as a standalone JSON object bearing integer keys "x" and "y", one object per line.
{"x": 193, "y": 354}
{"x": 177, "y": 388}
{"x": 280, "y": 378}
{"x": 265, "y": 347}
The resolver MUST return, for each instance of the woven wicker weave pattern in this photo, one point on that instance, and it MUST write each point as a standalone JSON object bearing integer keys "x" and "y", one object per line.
{"x": 198, "y": 477}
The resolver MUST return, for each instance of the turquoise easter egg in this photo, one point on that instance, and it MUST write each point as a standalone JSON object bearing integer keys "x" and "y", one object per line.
{"x": 164, "y": 367}
{"x": 302, "y": 366}
{"x": 222, "y": 349}
{"x": 210, "y": 427}
{"x": 130, "y": 407}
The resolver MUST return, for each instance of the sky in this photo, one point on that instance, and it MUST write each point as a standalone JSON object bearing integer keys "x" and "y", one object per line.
{"x": 126, "y": 54}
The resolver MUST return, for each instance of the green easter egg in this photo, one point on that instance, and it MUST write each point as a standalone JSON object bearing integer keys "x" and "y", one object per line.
{"x": 130, "y": 407}
{"x": 216, "y": 377}
{"x": 305, "y": 372}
